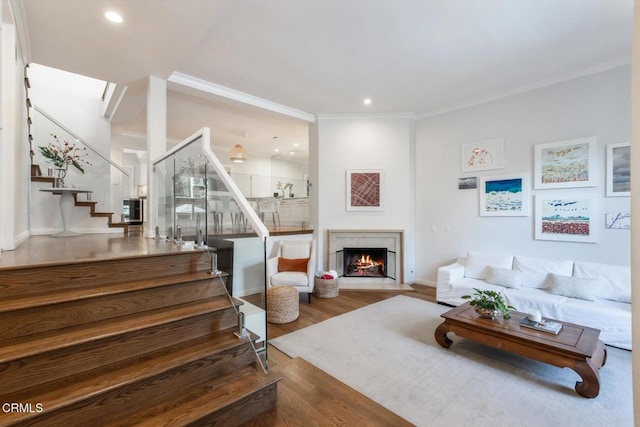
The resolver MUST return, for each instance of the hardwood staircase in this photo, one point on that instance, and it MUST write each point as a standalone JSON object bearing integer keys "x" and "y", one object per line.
{"x": 145, "y": 340}
{"x": 90, "y": 204}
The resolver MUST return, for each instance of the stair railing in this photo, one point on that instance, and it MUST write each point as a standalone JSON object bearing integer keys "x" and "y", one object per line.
{"x": 109, "y": 182}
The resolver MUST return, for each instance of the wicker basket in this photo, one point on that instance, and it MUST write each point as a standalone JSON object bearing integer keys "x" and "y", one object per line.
{"x": 326, "y": 288}
{"x": 282, "y": 304}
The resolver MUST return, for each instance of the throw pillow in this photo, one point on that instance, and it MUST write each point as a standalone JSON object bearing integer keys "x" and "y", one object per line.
{"x": 572, "y": 287}
{"x": 505, "y": 277}
{"x": 477, "y": 263}
{"x": 293, "y": 264}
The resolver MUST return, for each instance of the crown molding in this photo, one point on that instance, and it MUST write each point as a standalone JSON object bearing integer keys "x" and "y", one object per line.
{"x": 245, "y": 98}
{"x": 351, "y": 116}
{"x": 20, "y": 19}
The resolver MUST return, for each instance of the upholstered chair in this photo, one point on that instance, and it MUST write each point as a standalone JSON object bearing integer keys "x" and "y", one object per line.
{"x": 293, "y": 265}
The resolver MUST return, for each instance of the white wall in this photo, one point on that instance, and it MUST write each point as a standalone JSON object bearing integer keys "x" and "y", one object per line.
{"x": 365, "y": 143}
{"x": 597, "y": 105}
{"x": 14, "y": 145}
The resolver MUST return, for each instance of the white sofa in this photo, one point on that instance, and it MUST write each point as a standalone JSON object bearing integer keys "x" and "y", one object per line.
{"x": 589, "y": 294}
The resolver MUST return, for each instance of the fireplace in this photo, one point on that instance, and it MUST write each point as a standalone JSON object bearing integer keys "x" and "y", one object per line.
{"x": 365, "y": 262}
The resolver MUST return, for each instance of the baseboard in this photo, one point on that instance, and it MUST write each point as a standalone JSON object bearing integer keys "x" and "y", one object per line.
{"x": 424, "y": 282}
{"x": 49, "y": 231}
{"x": 247, "y": 291}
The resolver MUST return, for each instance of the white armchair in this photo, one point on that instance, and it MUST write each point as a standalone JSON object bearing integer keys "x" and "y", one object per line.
{"x": 279, "y": 273}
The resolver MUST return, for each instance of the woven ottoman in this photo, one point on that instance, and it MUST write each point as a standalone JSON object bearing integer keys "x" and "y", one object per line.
{"x": 326, "y": 288}
{"x": 282, "y": 304}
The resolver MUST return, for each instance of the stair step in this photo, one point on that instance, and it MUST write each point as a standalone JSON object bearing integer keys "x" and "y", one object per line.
{"x": 55, "y": 340}
{"x": 38, "y": 279}
{"x": 85, "y": 398}
{"x": 48, "y": 179}
{"x": 37, "y": 300}
{"x": 54, "y": 364}
{"x": 229, "y": 400}
{"x": 34, "y": 320}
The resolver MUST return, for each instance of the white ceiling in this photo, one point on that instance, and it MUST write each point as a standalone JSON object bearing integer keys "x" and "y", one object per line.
{"x": 325, "y": 56}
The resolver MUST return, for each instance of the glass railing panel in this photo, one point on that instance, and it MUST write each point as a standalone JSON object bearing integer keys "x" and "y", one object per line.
{"x": 163, "y": 196}
{"x": 74, "y": 163}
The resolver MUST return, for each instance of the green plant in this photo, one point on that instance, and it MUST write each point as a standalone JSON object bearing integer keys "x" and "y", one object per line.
{"x": 490, "y": 300}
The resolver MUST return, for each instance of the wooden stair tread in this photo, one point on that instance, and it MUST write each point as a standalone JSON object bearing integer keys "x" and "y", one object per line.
{"x": 60, "y": 338}
{"x": 204, "y": 399}
{"x": 38, "y": 300}
{"x": 65, "y": 392}
{"x": 48, "y": 179}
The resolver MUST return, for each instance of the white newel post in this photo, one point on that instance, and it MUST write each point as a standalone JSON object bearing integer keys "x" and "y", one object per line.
{"x": 156, "y": 142}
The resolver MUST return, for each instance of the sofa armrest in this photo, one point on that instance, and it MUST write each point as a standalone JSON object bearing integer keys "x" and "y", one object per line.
{"x": 272, "y": 268}
{"x": 447, "y": 275}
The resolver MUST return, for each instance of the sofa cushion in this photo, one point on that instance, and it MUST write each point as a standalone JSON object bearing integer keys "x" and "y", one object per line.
{"x": 477, "y": 263}
{"x": 614, "y": 281}
{"x": 536, "y": 269}
{"x": 572, "y": 287}
{"x": 505, "y": 277}
{"x": 289, "y": 278}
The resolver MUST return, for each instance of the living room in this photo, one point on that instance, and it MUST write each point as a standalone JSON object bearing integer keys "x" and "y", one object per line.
{"x": 419, "y": 155}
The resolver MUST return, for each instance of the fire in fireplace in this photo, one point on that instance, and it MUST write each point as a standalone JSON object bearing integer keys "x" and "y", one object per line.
{"x": 365, "y": 262}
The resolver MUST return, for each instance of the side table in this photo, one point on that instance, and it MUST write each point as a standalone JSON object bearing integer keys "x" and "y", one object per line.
{"x": 67, "y": 202}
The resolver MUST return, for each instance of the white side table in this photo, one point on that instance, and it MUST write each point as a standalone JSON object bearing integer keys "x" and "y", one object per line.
{"x": 67, "y": 202}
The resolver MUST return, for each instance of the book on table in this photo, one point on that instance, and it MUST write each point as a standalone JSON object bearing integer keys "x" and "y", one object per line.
{"x": 544, "y": 325}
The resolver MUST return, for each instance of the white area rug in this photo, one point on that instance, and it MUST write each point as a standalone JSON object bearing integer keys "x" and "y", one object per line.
{"x": 387, "y": 352}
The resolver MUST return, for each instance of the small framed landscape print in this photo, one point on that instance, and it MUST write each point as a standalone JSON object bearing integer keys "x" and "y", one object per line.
{"x": 617, "y": 220}
{"x": 468, "y": 183}
{"x": 504, "y": 196}
{"x": 365, "y": 189}
{"x": 619, "y": 170}
{"x": 566, "y": 164}
{"x": 567, "y": 218}
{"x": 481, "y": 156}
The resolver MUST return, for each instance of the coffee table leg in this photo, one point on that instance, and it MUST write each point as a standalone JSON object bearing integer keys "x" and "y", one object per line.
{"x": 590, "y": 384}
{"x": 441, "y": 335}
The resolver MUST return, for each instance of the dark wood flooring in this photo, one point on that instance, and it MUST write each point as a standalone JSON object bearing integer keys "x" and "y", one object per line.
{"x": 309, "y": 396}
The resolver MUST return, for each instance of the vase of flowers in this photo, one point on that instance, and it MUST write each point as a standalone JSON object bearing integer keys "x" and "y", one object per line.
{"x": 63, "y": 154}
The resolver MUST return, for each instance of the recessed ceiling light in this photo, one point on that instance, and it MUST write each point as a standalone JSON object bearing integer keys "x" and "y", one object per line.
{"x": 276, "y": 150}
{"x": 295, "y": 145}
{"x": 291, "y": 152}
{"x": 367, "y": 101}
{"x": 114, "y": 17}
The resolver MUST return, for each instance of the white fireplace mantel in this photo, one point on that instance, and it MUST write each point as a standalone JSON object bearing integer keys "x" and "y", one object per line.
{"x": 393, "y": 240}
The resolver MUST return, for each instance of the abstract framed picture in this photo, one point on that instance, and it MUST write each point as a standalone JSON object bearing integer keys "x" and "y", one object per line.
{"x": 567, "y": 218}
{"x": 566, "y": 164}
{"x": 506, "y": 195}
{"x": 617, "y": 220}
{"x": 619, "y": 170}
{"x": 484, "y": 155}
{"x": 365, "y": 189}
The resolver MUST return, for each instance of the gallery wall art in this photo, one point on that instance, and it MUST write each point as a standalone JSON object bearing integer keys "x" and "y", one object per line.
{"x": 562, "y": 217}
{"x": 365, "y": 189}
{"x": 618, "y": 220}
{"x": 504, "y": 196}
{"x": 566, "y": 164}
{"x": 468, "y": 183}
{"x": 485, "y": 155}
{"x": 619, "y": 170}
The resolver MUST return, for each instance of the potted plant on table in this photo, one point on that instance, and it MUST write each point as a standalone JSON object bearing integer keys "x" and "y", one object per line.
{"x": 489, "y": 304}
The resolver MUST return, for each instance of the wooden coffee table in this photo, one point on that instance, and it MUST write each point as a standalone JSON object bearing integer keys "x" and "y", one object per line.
{"x": 576, "y": 347}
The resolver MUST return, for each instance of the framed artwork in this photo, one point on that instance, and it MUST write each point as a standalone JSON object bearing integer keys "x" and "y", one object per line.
{"x": 364, "y": 189}
{"x": 467, "y": 183}
{"x": 566, "y": 164}
{"x": 567, "y": 218}
{"x": 619, "y": 170}
{"x": 618, "y": 220}
{"x": 481, "y": 156}
{"x": 504, "y": 196}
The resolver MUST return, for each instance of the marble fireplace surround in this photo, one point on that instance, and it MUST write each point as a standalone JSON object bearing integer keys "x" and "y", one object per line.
{"x": 393, "y": 240}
